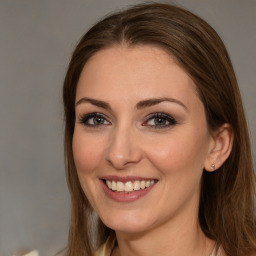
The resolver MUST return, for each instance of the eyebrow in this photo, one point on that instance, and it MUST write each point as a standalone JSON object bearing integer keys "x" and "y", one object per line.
{"x": 155, "y": 101}
{"x": 139, "y": 105}
{"x": 98, "y": 103}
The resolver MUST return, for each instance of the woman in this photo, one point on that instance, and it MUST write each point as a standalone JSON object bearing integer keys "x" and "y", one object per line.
{"x": 157, "y": 149}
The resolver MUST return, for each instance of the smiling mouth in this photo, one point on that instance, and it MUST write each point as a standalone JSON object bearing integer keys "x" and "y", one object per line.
{"x": 129, "y": 186}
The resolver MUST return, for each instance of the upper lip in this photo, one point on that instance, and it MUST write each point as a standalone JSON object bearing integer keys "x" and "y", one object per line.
{"x": 125, "y": 178}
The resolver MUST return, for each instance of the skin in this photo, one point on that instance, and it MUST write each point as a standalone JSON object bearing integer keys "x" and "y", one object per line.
{"x": 128, "y": 143}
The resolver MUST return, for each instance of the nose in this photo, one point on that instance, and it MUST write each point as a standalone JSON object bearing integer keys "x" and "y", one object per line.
{"x": 123, "y": 148}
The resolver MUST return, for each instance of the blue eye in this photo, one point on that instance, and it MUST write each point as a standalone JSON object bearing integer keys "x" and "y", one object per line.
{"x": 160, "y": 120}
{"x": 94, "y": 119}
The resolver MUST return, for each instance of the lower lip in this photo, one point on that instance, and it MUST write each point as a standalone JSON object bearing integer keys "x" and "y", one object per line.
{"x": 126, "y": 196}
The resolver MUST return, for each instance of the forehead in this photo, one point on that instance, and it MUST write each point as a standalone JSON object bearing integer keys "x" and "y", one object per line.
{"x": 138, "y": 72}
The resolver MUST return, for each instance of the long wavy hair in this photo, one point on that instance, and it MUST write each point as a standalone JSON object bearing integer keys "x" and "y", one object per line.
{"x": 226, "y": 211}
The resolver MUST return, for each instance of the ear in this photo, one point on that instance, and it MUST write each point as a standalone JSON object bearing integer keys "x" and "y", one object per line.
{"x": 219, "y": 148}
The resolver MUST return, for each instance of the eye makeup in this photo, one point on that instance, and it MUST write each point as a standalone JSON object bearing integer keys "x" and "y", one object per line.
{"x": 94, "y": 120}
{"x": 158, "y": 120}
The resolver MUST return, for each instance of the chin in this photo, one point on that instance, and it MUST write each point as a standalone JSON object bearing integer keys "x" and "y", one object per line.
{"x": 128, "y": 223}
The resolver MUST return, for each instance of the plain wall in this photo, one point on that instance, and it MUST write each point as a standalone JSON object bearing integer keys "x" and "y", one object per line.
{"x": 36, "y": 41}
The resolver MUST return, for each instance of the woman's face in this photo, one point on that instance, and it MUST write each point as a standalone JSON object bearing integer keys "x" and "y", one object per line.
{"x": 140, "y": 140}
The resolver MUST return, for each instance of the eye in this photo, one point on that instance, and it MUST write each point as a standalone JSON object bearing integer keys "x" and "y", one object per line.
{"x": 94, "y": 119}
{"x": 160, "y": 120}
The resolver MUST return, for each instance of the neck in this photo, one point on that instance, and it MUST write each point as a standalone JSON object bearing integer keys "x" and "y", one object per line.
{"x": 176, "y": 238}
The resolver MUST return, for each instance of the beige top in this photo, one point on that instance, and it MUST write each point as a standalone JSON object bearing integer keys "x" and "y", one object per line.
{"x": 32, "y": 253}
{"x": 107, "y": 248}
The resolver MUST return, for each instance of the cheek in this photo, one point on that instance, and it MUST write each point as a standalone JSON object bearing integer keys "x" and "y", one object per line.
{"x": 86, "y": 151}
{"x": 184, "y": 151}
{"x": 87, "y": 156}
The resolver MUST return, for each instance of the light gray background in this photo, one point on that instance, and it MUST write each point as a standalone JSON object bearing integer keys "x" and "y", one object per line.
{"x": 36, "y": 41}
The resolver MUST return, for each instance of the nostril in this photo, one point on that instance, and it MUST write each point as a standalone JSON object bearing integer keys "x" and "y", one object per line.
{"x": 123, "y": 149}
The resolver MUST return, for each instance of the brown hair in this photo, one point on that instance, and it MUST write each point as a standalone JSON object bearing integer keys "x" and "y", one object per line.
{"x": 226, "y": 210}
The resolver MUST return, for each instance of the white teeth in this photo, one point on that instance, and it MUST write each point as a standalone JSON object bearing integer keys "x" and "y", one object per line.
{"x": 142, "y": 184}
{"x": 129, "y": 185}
{"x": 120, "y": 186}
{"x": 113, "y": 185}
{"x": 109, "y": 184}
{"x": 136, "y": 185}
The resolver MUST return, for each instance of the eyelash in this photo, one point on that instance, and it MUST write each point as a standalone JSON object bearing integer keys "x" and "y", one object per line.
{"x": 163, "y": 116}
{"x": 86, "y": 118}
{"x": 160, "y": 116}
